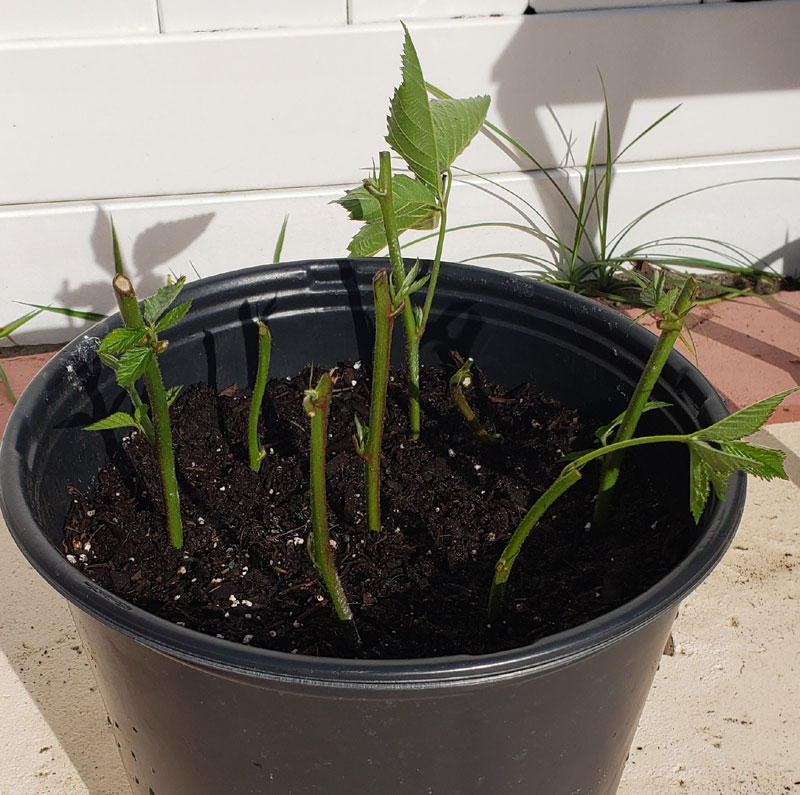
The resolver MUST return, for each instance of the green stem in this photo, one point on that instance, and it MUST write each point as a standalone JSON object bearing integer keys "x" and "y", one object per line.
{"x": 569, "y": 476}
{"x": 385, "y": 314}
{"x": 502, "y": 568}
{"x": 671, "y": 326}
{"x": 384, "y": 196}
{"x": 255, "y": 448}
{"x": 437, "y": 258}
{"x": 147, "y": 426}
{"x": 154, "y": 383}
{"x": 458, "y": 381}
{"x": 317, "y": 406}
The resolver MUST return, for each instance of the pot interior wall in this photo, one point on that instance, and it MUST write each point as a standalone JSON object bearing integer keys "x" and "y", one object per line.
{"x": 517, "y": 331}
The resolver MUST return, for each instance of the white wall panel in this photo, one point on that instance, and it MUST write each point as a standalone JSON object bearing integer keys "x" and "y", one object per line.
{"x": 61, "y": 254}
{"x": 407, "y": 10}
{"x": 192, "y": 15}
{"x": 202, "y": 113}
{"x": 42, "y": 19}
{"x": 550, "y": 6}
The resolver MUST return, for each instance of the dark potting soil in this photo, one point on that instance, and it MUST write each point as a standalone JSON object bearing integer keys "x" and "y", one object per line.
{"x": 419, "y": 587}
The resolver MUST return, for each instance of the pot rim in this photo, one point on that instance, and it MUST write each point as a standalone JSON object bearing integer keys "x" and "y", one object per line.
{"x": 227, "y": 657}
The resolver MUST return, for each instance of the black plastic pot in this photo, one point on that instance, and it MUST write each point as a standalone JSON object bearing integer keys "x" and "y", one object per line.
{"x": 195, "y": 715}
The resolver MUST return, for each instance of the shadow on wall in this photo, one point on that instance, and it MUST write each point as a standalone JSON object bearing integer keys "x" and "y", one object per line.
{"x": 703, "y": 66}
{"x": 153, "y": 247}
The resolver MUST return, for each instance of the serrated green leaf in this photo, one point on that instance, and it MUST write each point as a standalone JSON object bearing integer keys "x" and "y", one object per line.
{"x": 108, "y": 360}
{"x": 721, "y": 463}
{"x": 172, "y": 394}
{"x": 171, "y": 317}
{"x": 745, "y": 421}
{"x": 132, "y": 365}
{"x": 429, "y": 135}
{"x": 417, "y": 285}
{"x": 414, "y": 204}
{"x": 414, "y": 208}
{"x": 121, "y": 339}
{"x": 666, "y": 302}
{"x": 411, "y": 131}
{"x": 360, "y": 204}
{"x": 118, "y": 419}
{"x": 368, "y": 241}
{"x": 652, "y": 289}
{"x": 156, "y": 305}
{"x": 455, "y": 123}
{"x": 699, "y": 485}
{"x": 361, "y": 435}
{"x": 767, "y": 462}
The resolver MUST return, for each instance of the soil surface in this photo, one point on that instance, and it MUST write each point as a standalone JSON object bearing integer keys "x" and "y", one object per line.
{"x": 419, "y": 587}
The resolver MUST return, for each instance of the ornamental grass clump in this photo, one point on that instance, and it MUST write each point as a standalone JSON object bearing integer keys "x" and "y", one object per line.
{"x": 585, "y": 254}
